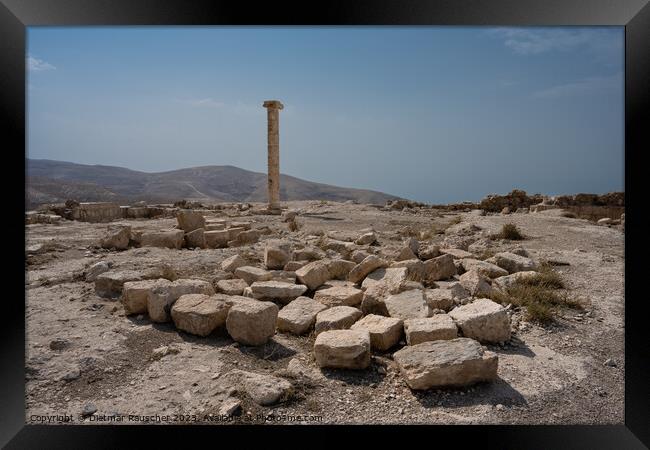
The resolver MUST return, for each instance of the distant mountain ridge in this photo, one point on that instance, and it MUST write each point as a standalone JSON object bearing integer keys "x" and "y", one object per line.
{"x": 50, "y": 181}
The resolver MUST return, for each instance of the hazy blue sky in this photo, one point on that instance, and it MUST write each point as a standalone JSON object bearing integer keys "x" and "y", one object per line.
{"x": 435, "y": 114}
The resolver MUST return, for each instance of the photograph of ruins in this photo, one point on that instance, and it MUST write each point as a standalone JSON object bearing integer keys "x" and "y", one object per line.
{"x": 338, "y": 225}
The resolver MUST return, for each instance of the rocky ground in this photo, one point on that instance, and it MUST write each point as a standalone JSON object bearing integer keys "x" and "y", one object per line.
{"x": 87, "y": 359}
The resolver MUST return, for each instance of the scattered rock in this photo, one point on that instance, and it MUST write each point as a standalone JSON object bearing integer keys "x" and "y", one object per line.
{"x": 59, "y": 344}
{"x": 610, "y": 362}
{"x": 438, "y": 327}
{"x": 162, "y": 296}
{"x": 88, "y": 410}
{"x": 513, "y": 263}
{"x": 299, "y": 316}
{"x": 407, "y": 305}
{"x": 117, "y": 238}
{"x": 483, "y": 320}
{"x": 456, "y": 253}
{"x": 262, "y": 389}
{"x": 428, "y": 251}
{"x": 199, "y": 314}
{"x": 384, "y": 332}
{"x": 165, "y": 239}
{"x": 251, "y": 322}
{"x": 439, "y": 268}
{"x": 189, "y": 220}
{"x": 233, "y": 263}
{"x": 234, "y": 286}
{"x": 230, "y": 407}
{"x": 509, "y": 280}
{"x": 276, "y": 254}
{"x": 475, "y": 283}
{"x": 252, "y": 274}
{"x": 455, "y": 362}
{"x": 439, "y": 298}
{"x": 339, "y": 269}
{"x": 346, "y": 349}
{"x": 336, "y": 318}
{"x": 366, "y": 239}
{"x": 97, "y": 269}
{"x": 339, "y": 296}
{"x": 277, "y": 290}
{"x": 368, "y": 265}
{"x": 135, "y": 294}
{"x": 196, "y": 238}
{"x": 485, "y": 268}
{"x": 314, "y": 274}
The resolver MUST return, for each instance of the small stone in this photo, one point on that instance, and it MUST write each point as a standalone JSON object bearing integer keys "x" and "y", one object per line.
{"x": 59, "y": 344}
{"x": 88, "y": 410}
{"x": 610, "y": 362}
{"x": 233, "y": 263}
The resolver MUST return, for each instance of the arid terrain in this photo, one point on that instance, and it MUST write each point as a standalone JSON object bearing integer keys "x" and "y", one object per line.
{"x": 86, "y": 358}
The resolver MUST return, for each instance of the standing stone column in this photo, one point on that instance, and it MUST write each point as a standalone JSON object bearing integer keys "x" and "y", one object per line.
{"x": 273, "y": 108}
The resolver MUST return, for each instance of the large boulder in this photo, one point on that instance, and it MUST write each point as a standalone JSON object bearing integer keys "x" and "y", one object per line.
{"x": 251, "y": 322}
{"x": 314, "y": 274}
{"x": 455, "y": 362}
{"x": 408, "y": 305}
{"x": 345, "y": 349}
{"x": 199, "y": 314}
{"x": 385, "y": 332}
{"x": 117, "y": 238}
{"x": 336, "y": 318}
{"x": 189, "y": 220}
{"x": 439, "y": 268}
{"x": 277, "y": 290}
{"x": 513, "y": 263}
{"x": 252, "y": 274}
{"x": 438, "y": 327}
{"x": 162, "y": 296}
{"x": 299, "y": 316}
{"x": 165, "y": 239}
{"x": 483, "y": 320}
{"x": 339, "y": 296}
{"x": 368, "y": 265}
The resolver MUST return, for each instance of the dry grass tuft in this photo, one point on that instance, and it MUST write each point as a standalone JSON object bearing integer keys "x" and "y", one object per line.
{"x": 509, "y": 231}
{"x": 541, "y": 295}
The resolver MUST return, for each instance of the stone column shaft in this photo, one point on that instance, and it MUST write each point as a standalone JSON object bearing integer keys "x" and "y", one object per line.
{"x": 273, "y": 108}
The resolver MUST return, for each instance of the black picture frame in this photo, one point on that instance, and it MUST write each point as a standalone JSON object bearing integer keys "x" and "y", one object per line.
{"x": 16, "y": 15}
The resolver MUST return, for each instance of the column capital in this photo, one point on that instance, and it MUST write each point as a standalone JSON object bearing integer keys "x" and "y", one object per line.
{"x": 273, "y": 104}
